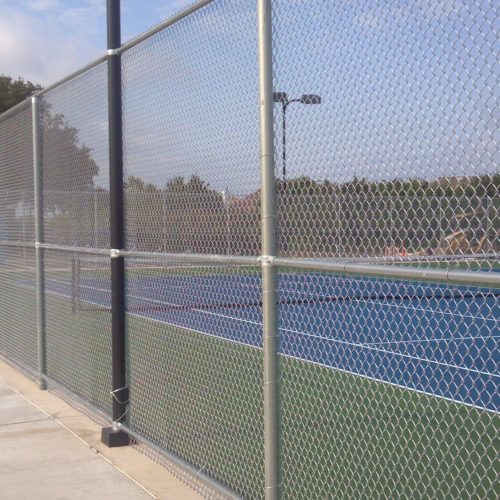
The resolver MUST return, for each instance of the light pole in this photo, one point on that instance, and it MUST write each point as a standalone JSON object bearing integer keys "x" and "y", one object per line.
{"x": 282, "y": 97}
{"x": 225, "y": 202}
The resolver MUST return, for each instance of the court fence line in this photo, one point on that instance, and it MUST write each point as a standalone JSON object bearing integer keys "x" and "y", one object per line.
{"x": 477, "y": 278}
{"x": 252, "y": 382}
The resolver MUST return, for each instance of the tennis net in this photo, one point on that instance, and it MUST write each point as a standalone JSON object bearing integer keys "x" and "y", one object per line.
{"x": 159, "y": 286}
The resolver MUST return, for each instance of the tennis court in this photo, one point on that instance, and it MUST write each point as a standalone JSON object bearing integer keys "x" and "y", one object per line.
{"x": 377, "y": 353}
{"x": 434, "y": 338}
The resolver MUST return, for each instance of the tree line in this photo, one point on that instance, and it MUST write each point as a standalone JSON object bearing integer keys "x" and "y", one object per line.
{"x": 322, "y": 218}
{"x": 355, "y": 218}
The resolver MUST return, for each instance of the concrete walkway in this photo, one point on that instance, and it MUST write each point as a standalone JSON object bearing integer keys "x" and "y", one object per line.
{"x": 48, "y": 450}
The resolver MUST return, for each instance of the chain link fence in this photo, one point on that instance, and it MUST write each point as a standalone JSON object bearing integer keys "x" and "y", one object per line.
{"x": 18, "y": 340}
{"x": 186, "y": 139}
{"x": 392, "y": 389}
{"x": 383, "y": 291}
{"x": 75, "y": 192}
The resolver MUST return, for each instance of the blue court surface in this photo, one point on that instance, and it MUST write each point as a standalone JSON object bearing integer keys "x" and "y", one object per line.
{"x": 436, "y": 339}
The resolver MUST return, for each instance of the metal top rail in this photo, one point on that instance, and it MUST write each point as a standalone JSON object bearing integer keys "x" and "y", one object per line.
{"x": 478, "y": 278}
{"x": 128, "y": 45}
{"x": 75, "y": 74}
{"x": 20, "y": 106}
{"x": 165, "y": 24}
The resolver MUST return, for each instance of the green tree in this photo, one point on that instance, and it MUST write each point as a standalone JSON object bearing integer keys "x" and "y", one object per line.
{"x": 69, "y": 170}
{"x": 188, "y": 215}
{"x": 362, "y": 217}
{"x": 60, "y": 144}
{"x": 14, "y": 91}
{"x": 195, "y": 215}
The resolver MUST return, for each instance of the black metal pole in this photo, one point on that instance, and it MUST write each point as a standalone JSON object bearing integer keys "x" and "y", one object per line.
{"x": 114, "y": 436}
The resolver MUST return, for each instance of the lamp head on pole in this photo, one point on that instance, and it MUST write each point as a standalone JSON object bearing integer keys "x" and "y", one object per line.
{"x": 280, "y": 97}
{"x": 310, "y": 99}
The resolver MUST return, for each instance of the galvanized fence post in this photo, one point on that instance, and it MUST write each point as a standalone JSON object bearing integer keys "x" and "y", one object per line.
{"x": 269, "y": 247}
{"x": 39, "y": 264}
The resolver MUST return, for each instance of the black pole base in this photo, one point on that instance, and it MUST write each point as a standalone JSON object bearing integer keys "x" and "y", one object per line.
{"x": 113, "y": 438}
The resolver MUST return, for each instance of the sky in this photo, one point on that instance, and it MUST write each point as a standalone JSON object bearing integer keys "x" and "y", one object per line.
{"x": 408, "y": 88}
{"x": 44, "y": 40}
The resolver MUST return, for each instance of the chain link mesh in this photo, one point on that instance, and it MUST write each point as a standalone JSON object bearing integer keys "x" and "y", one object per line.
{"x": 18, "y": 340}
{"x": 388, "y": 391}
{"x": 17, "y": 263}
{"x": 75, "y": 183}
{"x": 386, "y": 153}
{"x": 17, "y": 222}
{"x": 78, "y": 325}
{"x": 195, "y": 483}
{"x": 191, "y": 135}
{"x": 75, "y": 161}
{"x": 401, "y": 154}
{"x": 195, "y": 367}
{"x": 191, "y": 157}
{"x": 389, "y": 388}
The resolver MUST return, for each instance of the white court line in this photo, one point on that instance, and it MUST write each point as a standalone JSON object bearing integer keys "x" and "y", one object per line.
{"x": 408, "y": 356}
{"x": 385, "y": 303}
{"x": 360, "y": 300}
{"x": 338, "y": 341}
{"x": 430, "y": 309}
{"x": 290, "y": 356}
{"x": 364, "y": 301}
{"x": 448, "y": 339}
{"x": 363, "y": 345}
{"x": 140, "y": 316}
{"x": 204, "y": 311}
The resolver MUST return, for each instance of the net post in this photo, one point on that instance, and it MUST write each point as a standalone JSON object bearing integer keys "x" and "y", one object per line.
{"x": 269, "y": 247}
{"x": 114, "y": 436}
{"x": 39, "y": 263}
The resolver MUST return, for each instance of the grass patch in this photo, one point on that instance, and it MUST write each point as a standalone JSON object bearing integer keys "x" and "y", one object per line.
{"x": 200, "y": 398}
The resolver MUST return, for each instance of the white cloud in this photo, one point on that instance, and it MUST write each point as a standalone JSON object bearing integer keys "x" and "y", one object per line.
{"x": 85, "y": 16}
{"x": 42, "y": 5}
{"x": 40, "y": 47}
{"x": 44, "y": 40}
{"x": 170, "y": 8}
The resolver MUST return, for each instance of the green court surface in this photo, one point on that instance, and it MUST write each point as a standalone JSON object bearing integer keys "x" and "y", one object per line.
{"x": 18, "y": 336}
{"x": 79, "y": 350}
{"x": 342, "y": 435}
